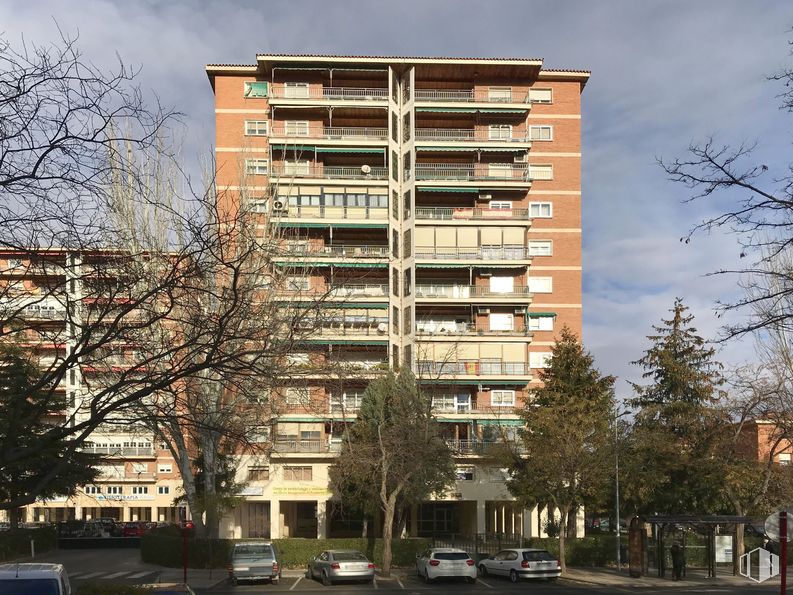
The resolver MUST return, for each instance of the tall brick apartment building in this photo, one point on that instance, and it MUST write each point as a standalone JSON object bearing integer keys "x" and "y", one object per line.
{"x": 437, "y": 201}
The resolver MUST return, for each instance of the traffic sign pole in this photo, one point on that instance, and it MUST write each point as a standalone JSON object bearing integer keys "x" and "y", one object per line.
{"x": 783, "y": 550}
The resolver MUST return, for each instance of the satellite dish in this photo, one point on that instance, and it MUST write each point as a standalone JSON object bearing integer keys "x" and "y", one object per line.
{"x": 366, "y": 169}
{"x": 382, "y": 327}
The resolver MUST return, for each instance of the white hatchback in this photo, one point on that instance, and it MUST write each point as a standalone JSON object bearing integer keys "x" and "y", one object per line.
{"x": 34, "y": 579}
{"x": 521, "y": 563}
{"x": 445, "y": 563}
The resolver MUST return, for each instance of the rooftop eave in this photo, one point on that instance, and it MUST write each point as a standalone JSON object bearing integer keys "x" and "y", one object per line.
{"x": 213, "y": 70}
{"x": 581, "y": 76}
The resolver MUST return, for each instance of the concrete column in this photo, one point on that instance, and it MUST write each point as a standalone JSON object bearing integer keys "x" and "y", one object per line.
{"x": 526, "y": 527}
{"x": 78, "y": 513}
{"x": 481, "y": 518}
{"x": 322, "y": 519}
{"x": 126, "y": 513}
{"x": 414, "y": 520}
{"x": 503, "y": 518}
{"x": 275, "y": 519}
{"x": 154, "y": 517}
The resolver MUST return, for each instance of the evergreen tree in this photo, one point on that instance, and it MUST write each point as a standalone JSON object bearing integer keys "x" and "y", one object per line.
{"x": 677, "y": 425}
{"x": 567, "y": 440}
{"x": 29, "y": 417}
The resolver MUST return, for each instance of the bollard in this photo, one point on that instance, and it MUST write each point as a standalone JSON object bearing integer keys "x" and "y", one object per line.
{"x": 32, "y": 548}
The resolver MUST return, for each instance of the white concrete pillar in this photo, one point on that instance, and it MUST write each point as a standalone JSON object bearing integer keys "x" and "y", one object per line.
{"x": 481, "y": 516}
{"x": 275, "y": 519}
{"x": 503, "y": 518}
{"x": 526, "y": 525}
{"x": 322, "y": 519}
{"x": 78, "y": 513}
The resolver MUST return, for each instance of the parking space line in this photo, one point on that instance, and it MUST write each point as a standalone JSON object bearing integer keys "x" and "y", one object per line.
{"x": 300, "y": 578}
{"x": 91, "y": 575}
{"x": 140, "y": 574}
{"x": 400, "y": 582}
{"x": 116, "y": 574}
{"x": 485, "y": 584}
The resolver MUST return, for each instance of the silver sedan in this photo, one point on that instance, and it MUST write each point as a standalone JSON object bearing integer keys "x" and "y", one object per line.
{"x": 336, "y": 565}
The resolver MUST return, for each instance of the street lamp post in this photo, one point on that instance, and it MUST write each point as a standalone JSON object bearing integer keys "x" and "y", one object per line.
{"x": 617, "y": 416}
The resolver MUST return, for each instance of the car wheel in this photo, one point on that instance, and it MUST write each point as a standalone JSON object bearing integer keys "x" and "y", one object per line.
{"x": 513, "y": 576}
{"x": 471, "y": 580}
{"x": 309, "y": 574}
{"x": 326, "y": 579}
{"x": 552, "y": 578}
{"x": 427, "y": 578}
{"x": 233, "y": 581}
{"x": 274, "y": 581}
{"x": 482, "y": 570}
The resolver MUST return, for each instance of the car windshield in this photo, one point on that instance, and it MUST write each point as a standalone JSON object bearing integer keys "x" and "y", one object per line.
{"x": 349, "y": 556}
{"x": 538, "y": 556}
{"x": 29, "y": 586}
{"x": 451, "y": 556}
{"x": 253, "y": 551}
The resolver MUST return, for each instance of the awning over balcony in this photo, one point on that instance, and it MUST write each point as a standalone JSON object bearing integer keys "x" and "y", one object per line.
{"x": 350, "y": 150}
{"x": 448, "y": 110}
{"x": 502, "y": 111}
{"x": 346, "y": 265}
{"x": 455, "y": 149}
{"x": 328, "y": 225}
{"x": 500, "y": 422}
{"x": 542, "y": 314}
{"x": 280, "y": 147}
{"x": 474, "y": 148}
{"x": 346, "y": 342}
{"x": 466, "y": 190}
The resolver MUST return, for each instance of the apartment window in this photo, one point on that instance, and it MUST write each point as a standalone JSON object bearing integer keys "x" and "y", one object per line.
{"x": 258, "y": 474}
{"x": 297, "y": 168}
{"x": 541, "y": 323}
{"x": 540, "y": 210}
{"x": 541, "y": 172}
{"x": 407, "y": 204}
{"x": 500, "y": 205}
{"x": 502, "y": 398}
{"x": 297, "y": 283}
{"x": 164, "y": 468}
{"x": 540, "y": 96}
{"x": 296, "y": 90}
{"x": 140, "y": 490}
{"x": 499, "y": 170}
{"x": 502, "y": 284}
{"x": 784, "y": 458}
{"x": 540, "y": 284}
{"x": 296, "y": 127}
{"x": 500, "y": 131}
{"x": 503, "y": 94}
{"x": 93, "y": 489}
{"x": 258, "y": 434}
{"x": 255, "y": 89}
{"x": 297, "y": 396}
{"x": 539, "y": 359}
{"x": 464, "y": 474}
{"x": 501, "y": 322}
{"x": 298, "y": 359}
{"x": 297, "y": 474}
{"x": 162, "y": 490}
{"x": 540, "y": 132}
{"x": 115, "y": 490}
{"x": 139, "y": 467}
{"x": 256, "y": 167}
{"x": 540, "y": 248}
{"x": 256, "y": 127}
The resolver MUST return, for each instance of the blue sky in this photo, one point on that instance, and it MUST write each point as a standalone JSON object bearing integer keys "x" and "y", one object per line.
{"x": 664, "y": 74}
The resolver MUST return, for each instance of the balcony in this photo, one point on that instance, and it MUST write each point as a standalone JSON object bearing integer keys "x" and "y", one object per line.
{"x": 305, "y": 446}
{"x": 470, "y": 214}
{"x": 467, "y": 135}
{"x": 343, "y": 133}
{"x": 470, "y": 96}
{"x": 121, "y": 451}
{"x": 333, "y": 212}
{"x": 346, "y": 405}
{"x": 319, "y": 171}
{"x": 429, "y": 369}
{"x": 333, "y": 251}
{"x": 355, "y": 291}
{"x": 467, "y": 329}
{"x": 480, "y": 447}
{"x": 471, "y": 172}
{"x": 291, "y": 94}
{"x": 473, "y": 253}
{"x": 456, "y": 292}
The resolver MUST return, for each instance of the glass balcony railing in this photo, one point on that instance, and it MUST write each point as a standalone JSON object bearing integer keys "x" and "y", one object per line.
{"x": 315, "y": 92}
{"x": 331, "y": 132}
{"x": 470, "y": 213}
{"x": 307, "y": 170}
{"x": 333, "y": 212}
{"x": 466, "y": 329}
{"x": 467, "y": 134}
{"x": 364, "y": 251}
{"x": 471, "y": 95}
{"x": 472, "y": 171}
{"x": 428, "y": 369}
{"x": 474, "y": 253}
{"x": 430, "y": 290}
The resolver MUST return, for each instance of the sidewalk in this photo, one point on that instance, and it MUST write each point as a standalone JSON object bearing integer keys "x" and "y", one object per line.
{"x": 609, "y": 577}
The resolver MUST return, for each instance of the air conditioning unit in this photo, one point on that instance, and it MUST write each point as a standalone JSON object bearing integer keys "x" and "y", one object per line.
{"x": 484, "y": 310}
{"x": 485, "y": 274}
{"x": 279, "y": 205}
{"x": 519, "y": 311}
{"x": 485, "y": 196}
{"x": 382, "y": 327}
{"x": 522, "y": 158}
{"x": 366, "y": 169}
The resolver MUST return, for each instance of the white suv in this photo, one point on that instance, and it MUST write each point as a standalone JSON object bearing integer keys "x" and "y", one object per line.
{"x": 34, "y": 579}
{"x": 445, "y": 562}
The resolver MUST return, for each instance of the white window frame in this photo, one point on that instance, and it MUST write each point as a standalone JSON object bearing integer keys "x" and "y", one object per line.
{"x": 257, "y": 127}
{"x": 498, "y": 284}
{"x": 296, "y": 90}
{"x": 540, "y": 284}
{"x": 540, "y": 323}
{"x": 500, "y": 170}
{"x": 297, "y": 395}
{"x": 784, "y": 458}
{"x": 462, "y": 472}
{"x": 296, "y": 127}
{"x": 499, "y": 132}
{"x": 300, "y": 167}
{"x": 298, "y": 283}
{"x": 535, "y": 133}
{"x": 540, "y": 247}
{"x": 539, "y": 95}
{"x": 115, "y": 490}
{"x": 539, "y": 359}
{"x": 500, "y": 205}
{"x": 257, "y": 167}
{"x": 540, "y": 206}
{"x": 541, "y": 171}
{"x": 164, "y": 468}
{"x": 139, "y": 467}
{"x": 502, "y": 398}
{"x": 140, "y": 490}
{"x": 249, "y": 86}
{"x": 505, "y": 321}
{"x": 163, "y": 490}
{"x": 500, "y": 94}
{"x": 93, "y": 490}
{"x": 303, "y": 469}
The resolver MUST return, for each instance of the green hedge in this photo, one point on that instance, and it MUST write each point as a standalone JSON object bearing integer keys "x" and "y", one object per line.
{"x": 166, "y": 550}
{"x": 594, "y": 550}
{"x": 16, "y": 544}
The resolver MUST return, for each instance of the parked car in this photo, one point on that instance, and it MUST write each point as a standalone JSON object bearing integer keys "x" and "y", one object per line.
{"x": 445, "y": 563}
{"x": 254, "y": 561}
{"x": 521, "y": 563}
{"x": 169, "y": 588}
{"x": 34, "y": 579}
{"x": 135, "y": 529}
{"x": 70, "y": 528}
{"x": 336, "y": 565}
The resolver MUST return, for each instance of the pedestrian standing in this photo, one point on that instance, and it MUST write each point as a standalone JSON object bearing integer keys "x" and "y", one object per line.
{"x": 677, "y": 560}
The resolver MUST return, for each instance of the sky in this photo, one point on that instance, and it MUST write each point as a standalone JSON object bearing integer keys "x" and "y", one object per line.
{"x": 665, "y": 74}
